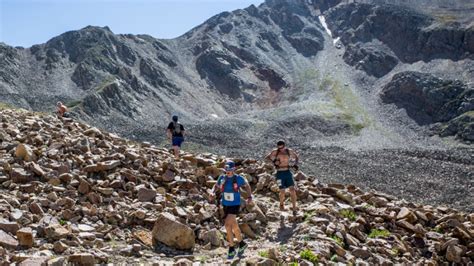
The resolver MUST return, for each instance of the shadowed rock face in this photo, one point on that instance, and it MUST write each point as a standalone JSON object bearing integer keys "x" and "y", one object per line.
{"x": 373, "y": 58}
{"x": 428, "y": 99}
{"x": 405, "y": 34}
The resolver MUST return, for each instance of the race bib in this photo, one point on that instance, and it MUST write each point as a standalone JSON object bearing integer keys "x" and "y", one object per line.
{"x": 228, "y": 196}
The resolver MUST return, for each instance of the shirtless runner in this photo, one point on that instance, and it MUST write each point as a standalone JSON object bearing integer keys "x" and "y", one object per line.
{"x": 61, "y": 109}
{"x": 283, "y": 159}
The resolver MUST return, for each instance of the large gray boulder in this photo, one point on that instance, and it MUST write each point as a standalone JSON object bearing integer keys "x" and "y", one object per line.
{"x": 170, "y": 232}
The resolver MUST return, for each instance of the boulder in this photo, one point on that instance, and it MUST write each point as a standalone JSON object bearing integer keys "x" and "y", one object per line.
{"x": 56, "y": 232}
{"x": 10, "y": 227}
{"x": 102, "y": 166}
{"x": 146, "y": 194}
{"x": 19, "y": 175}
{"x": 168, "y": 176}
{"x": 93, "y": 132}
{"x": 60, "y": 247}
{"x": 59, "y": 261}
{"x": 35, "y": 208}
{"x": 84, "y": 187}
{"x": 169, "y": 231}
{"x": 82, "y": 259}
{"x": 361, "y": 253}
{"x": 406, "y": 214}
{"x": 7, "y": 241}
{"x": 214, "y": 237}
{"x": 183, "y": 262}
{"x": 24, "y": 152}
{"x": 25, "y": 237}
{"x": 405, "y": 224}
{"x": 34, "y": 260}
{"x": 454, "y": 253}
{"x": 28, "y": 188}
{"x": 35, "y": 168}
{"x": 144, "y": 236}
{"x": 259, "y": 261}
{"x": 273, "y": 254}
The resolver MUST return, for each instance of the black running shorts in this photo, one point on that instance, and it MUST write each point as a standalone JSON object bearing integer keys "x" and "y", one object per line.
{"x": 231, "y": 210}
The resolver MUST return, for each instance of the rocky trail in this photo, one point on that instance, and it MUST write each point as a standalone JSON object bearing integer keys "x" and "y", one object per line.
{"x": 70, "y": 193}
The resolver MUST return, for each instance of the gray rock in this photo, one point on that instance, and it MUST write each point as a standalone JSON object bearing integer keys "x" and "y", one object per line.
{"x": 7, "y": 241}
{"x": 10, "y": 227}
{"x": 173, "y": 233}
{"x": 145, "y": 194}
{"x": 361, "y": 253}
{"x": 82, "y": 259}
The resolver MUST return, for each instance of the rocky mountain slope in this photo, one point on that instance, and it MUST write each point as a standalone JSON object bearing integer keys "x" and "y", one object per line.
{"x": 70, "y": 193}
{"x": 258, "y": 58}
{"x": 363, "y": 90}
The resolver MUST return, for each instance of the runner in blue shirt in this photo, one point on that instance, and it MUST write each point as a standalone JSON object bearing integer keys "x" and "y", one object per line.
{"x": 229, "y": 185}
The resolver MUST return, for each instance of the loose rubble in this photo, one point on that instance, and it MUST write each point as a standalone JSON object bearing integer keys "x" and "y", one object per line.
{"x": 70, "y": 193}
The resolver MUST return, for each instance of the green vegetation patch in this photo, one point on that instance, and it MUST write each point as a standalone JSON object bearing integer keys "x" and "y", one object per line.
{"x": 395, "y": 252}
{"x": 203, "y": 258}
{"x": 309, "y": 255}
{"x": 338, "y": 240}
{"x": 349, "y": 214}
{"x": 308, "y": 215}
{"x": 379, "y": 233}
{"x": 263, "y": 253}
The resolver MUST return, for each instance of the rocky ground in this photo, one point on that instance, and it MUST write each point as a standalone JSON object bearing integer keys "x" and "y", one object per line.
{"x": 72, "y": 193}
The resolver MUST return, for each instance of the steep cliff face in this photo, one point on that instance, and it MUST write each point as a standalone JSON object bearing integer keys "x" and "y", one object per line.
{"x": 428, "y": 100}
{"x": 382, "y": 35}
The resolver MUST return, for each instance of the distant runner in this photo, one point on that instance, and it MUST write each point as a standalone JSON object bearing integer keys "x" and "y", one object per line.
{"x": 61, "y": 110}
{"x": 228, "y": 187}
{"x": 283, "y": 159}
{"x": 175, "y": 132}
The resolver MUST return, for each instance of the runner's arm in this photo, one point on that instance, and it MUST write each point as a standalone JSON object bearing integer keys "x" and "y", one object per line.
{"x": 169, "y": 133}
{"x": 269, "y": 156}
{"x": 248, "y": 189}
{"x": 213, "y": 191}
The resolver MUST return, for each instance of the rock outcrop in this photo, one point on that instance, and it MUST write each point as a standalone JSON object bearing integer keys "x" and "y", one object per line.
{"x": 405, "y": 34}
{"x": 428, "y": 100}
